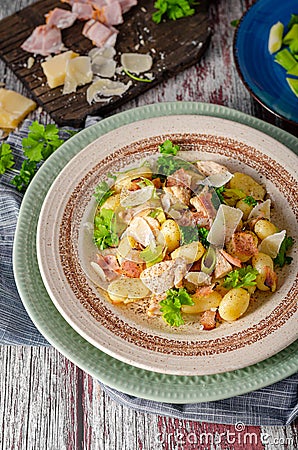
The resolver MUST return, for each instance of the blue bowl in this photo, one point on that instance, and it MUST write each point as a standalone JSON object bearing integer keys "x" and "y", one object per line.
{"x": 264, "y": 78}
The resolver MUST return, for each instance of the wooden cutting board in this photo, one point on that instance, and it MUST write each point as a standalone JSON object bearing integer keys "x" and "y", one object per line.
{"x": 174, "y": 45}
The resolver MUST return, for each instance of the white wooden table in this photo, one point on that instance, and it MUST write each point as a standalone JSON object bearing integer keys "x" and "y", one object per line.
{"x": 46, "y": 402}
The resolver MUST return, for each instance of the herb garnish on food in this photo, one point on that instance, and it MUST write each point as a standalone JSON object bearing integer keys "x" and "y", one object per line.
{"x": 102, "y": 192}
{"x": 243, "y": 277}
{"x": 282, "y": 258}
{"x": 171, "y": 306}
{"x": 104, "y": 236}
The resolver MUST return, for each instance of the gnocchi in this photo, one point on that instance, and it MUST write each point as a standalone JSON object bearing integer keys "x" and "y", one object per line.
{"x": 192, "y": 254}
{"x": 234, "y": 304}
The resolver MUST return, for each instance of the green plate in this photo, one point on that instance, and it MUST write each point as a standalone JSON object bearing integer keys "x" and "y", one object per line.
{"x": 110, "y": 371}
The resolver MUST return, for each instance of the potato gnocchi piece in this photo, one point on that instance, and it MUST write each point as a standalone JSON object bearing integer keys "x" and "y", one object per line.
{"x": 203, "y": 303}
{"x": 234, "y": 304}
{"x": 267, "y": 278}
{"x": 264, "y": 228}
{"x": 248, "y": 185}
{"x": 171, "y": 233}
{"x": 189, "y": 252}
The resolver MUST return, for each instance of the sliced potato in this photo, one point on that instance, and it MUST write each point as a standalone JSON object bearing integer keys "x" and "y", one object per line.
{"x": 264, "y": 228}
{"x": 190, "y": 252}
{"x": 127, "y": 289}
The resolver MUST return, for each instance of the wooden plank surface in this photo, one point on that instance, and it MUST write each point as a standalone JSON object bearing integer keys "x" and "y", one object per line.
{"x": 46, "y": 402}
{"x": 172, "y": 45}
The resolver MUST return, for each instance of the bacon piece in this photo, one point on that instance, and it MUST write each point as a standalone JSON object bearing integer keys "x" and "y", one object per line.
{"x": 61, "y": 18}
{"x": 231, "y": 259}
{"x": 208, "y": 319}
{"x": 126, "y": 4}
{"x": 204, "y": 290}
{"x": 109, "y": 265}
{"x": 84, "y": 11}
{"x": 270, "y": 279}
{"x": 179, "y": 178}
{"x": 109, "y": 14}
{"x": 132, "y": 269}
{"x": 44, "y": 40}
{"x": 100, "y": 34}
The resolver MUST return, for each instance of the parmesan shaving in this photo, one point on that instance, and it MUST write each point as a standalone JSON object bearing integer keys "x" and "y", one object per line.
{"x": 105, "y": 88}
{"x": 78, "y": 73}
{"x": 136, "y": 63}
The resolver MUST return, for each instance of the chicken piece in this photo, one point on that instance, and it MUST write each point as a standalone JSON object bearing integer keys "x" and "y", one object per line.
{"x": 210, "y": 168}
{"x": 44, "y": 40}
{"x": 164, "y": 275}
{"x": 100, "y": 34}
{"x": 208, "y": 319}
{"x": 179, "y": 178}
{"x": 61, "y": 18}
{"x": 203, "y": 204}
{"x": 243, "y": 245}
{"x": 84, "y": 11}
{"x": 181, "y": 193}
{"x": 222, "y": 266}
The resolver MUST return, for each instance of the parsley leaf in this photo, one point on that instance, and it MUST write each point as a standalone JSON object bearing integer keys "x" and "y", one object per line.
{"x": 102, "y": 192}
{"x": 6, "y": 158}
{"x": 189, "y": 234}
{"x": 168, "y": 148}
{"x": 229, "y": 196}
{"x": 168, "y": 164}
{"x": 243, "y": 277}
{"x": 173, "y": 9}
{"x": 203, "y": 234}
{"x": 171, "y": 306}
{"x": 282, "y": 258}
{"x": 27, "y": 172}
{"x": 249, "y": 200}
{"x": 41, "y": 142}
{"x": 103, "y": 235}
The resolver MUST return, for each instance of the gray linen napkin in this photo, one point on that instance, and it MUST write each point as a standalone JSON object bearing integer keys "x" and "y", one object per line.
{"x": 273, "y": 405}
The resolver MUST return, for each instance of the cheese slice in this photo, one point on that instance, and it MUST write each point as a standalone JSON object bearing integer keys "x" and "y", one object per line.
{"x": 78, "y": 73}
{"x": 14, "y": 107}
{"x": 55, "y": 68}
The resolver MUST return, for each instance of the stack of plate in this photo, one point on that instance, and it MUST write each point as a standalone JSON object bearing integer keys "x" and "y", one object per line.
{"x": 124, "y": 351}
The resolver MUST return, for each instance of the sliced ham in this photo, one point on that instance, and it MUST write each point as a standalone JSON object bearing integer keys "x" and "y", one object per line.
{"x": 109, "y": 14}
{"x": 61, "y": 18}
{"x": 44, "y": 40}
{"x": 109, "y": 265}
{"x": 100, "y": 34}
{"x": 83, "y": 11}
{"x": 126, "y": 4}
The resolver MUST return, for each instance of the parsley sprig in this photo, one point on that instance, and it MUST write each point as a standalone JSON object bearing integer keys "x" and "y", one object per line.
{"x": 168, "y": 163}
{"x": 243, "y": 277}
{"x": 171, "y": 306}
{"x": 102, "y": 192}
{"x": 6, "y": 158}
{"x": 282, "y": 257}
{"x": 41, "y": 142}
{"x": 173, "y": 9}
{"x": 104, "y": 235}
{"x": 190, "y": 233}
